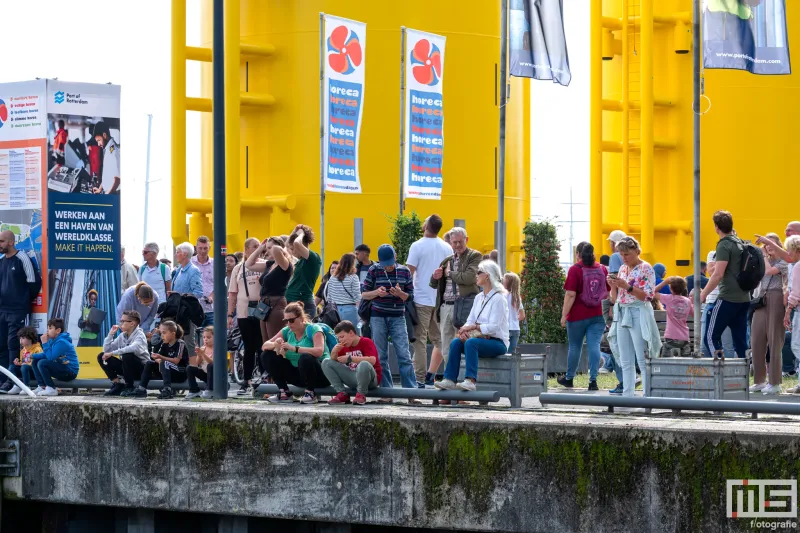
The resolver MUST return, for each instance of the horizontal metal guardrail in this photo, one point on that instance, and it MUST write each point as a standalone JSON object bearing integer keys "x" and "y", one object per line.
{"x": 397, "y": 393}
{"x": 674, "y": 404}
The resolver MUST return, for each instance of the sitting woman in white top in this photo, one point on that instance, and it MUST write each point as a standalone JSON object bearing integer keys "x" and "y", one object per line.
{"x": 485, "y": 333}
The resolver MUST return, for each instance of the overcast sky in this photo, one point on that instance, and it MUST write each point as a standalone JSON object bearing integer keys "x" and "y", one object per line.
{"x": 128, "y": 43}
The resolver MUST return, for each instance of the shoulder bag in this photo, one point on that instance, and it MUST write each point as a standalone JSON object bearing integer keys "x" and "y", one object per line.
{"x": 462, "y": 305}
{"x": 258, "y": 310}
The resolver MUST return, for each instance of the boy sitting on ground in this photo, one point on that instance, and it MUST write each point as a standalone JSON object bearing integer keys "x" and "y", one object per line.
{"x": 354, "y": 363}
{"x": 58, "y": 359}
{"x": 679, "y": 309}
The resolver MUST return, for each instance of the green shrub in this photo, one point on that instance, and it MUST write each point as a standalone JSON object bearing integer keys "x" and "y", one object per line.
{"x": 542, "y": 283}
{"x": 405, "y": 230}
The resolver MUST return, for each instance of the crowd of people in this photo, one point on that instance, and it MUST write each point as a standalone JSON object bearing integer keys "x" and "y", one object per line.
{"x": 748, "y": 297}
{"x": 446, "y": 294}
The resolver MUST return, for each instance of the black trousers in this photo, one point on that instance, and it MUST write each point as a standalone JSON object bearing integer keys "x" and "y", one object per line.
{"x": 127, "y": 366}
{"x": 307, "y": 373}
{"x": 160, "y": 370}
{"x": 194, "y": 372}
{"x": 251, "y": 337}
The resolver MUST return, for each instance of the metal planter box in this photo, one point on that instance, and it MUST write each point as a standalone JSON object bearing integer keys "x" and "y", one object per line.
{"x": 514, "y": 376}
{"x": 706, "y": 378}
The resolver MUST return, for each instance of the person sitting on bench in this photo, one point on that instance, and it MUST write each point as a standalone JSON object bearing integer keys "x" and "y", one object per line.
{"x": 126, "y": 355}
{"x": 58, "y": 359}
{"x": 353, "y": 362}
{"x": 169, "y": 363}
{"x": 485, "y": 334}
{"x": 201, "y": 365}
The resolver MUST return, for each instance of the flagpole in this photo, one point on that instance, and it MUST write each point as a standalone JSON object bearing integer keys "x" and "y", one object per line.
{"x": 696, "y": 233}
{"x": 322, "y": 127}
{"x": 402, "y": 116}
{"x": 501, "y": 180}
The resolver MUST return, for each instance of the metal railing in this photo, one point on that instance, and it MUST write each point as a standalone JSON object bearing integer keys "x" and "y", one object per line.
{"x": 674, "y": 404}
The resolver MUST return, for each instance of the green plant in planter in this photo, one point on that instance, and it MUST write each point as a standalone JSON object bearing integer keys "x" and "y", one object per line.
{"x": 542, "y": 283}
{"x": 405, "y": 230}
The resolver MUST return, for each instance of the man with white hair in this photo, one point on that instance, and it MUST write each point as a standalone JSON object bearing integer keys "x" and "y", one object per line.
{"x": 455, "y": 279}
{"x": 155, "y": 273}
{"x": 615, "y": 262}
{"x": 186, "y": 279}
{"x": 129, "y": 278}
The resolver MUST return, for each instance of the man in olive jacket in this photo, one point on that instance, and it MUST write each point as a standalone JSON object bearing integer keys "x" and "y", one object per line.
{"x": 455, "y": 277}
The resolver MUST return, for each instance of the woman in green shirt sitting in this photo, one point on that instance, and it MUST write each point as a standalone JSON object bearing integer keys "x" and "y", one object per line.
{"x": 295, "y": 355}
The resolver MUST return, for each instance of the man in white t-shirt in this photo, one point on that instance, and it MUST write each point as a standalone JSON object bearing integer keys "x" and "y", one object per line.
{"x": 425, "y": 256}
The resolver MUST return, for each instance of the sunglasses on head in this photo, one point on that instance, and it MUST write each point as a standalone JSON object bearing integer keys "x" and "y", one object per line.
{"x": 290, "y": 320}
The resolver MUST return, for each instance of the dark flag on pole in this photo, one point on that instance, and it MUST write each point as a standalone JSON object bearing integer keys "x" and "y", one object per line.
{"x": 746, "y": 35}
{"x": 537, "y": 44}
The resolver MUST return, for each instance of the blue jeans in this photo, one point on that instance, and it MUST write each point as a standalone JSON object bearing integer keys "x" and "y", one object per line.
{"x": 384, "y": 327}
{"x": 592, "y": 329}
{"x": 45, "y": 370}
{"x": 472, "y": 350}
{"x": 23, "y": 372}
{"x": 631, "y": 350}
{"x": 349, "y": 312}
{"x": 513, "y": 340}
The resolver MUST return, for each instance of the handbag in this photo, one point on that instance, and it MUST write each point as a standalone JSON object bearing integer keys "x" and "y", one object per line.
{"x": 365, "y": 310}
{"x": 234, "y": 338}
{"x": 757, "y": 303}
{"x": 461, "y": 309}
{"x": 258, "y": 310}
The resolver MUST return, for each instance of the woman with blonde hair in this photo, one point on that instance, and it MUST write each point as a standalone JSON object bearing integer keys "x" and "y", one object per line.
{"x": 516, "y": 311}
{"x": 767, "y": 331}
{"x": 634, "y": 330}
{"x": 485, "y": 334}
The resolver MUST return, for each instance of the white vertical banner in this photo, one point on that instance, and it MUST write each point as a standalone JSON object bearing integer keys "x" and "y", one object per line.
{"x": 424, "y": 115}
{"x": 343, "y": 102}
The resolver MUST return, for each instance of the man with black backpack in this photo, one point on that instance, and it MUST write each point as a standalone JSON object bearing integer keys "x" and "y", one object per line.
{"x": 739, "y": 269}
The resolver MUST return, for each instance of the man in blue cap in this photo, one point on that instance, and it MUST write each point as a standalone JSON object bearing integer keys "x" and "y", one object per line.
{"x": 388, "y": 285}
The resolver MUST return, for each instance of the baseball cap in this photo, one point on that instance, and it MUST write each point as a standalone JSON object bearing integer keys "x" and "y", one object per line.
{"x": 617, "y": 235}
{"x": 386, "y": 255}
{"x": 712, "y": 256}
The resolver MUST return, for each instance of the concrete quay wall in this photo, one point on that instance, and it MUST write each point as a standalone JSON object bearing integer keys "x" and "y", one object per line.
{"x": 465, "y": 469}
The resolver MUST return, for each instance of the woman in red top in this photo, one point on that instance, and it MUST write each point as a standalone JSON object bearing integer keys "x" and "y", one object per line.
{"x": 582, "y": 314}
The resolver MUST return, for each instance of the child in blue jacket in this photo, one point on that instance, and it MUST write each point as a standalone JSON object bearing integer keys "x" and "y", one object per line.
{"x": 58, "y": 359}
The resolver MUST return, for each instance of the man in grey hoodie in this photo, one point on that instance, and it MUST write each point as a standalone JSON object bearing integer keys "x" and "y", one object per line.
{"x": 125, "y": 355}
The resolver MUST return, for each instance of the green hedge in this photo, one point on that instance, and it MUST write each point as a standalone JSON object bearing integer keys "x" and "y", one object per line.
{"x": 542, "y": 284}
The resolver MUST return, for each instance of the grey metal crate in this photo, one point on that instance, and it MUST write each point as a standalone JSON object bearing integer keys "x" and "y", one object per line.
{"x": 705, "y": 378}
{"x": 514, "y": 376}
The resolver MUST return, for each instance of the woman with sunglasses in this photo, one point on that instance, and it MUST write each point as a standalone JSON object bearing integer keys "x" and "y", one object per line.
{"x": 295, "y": 356}
{"x": 142, "y": 299}
{"x": 485, "y": 334}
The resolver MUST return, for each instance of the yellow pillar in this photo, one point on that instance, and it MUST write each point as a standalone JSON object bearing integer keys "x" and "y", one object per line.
{"x": 648, "y": 232}
{"x": 232, "y": 125}
{"x": 178, "y": 96}
{"x": 626, "y": 106}
{"x": 596, "y": 139}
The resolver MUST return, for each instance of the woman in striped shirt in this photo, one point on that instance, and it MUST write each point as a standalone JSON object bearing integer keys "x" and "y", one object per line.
{"x": 344, "y": 290}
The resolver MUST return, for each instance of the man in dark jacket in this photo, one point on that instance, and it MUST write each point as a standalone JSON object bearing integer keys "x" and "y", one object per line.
{"x": 20, "y": 283}
{"x": 455, "y": 278}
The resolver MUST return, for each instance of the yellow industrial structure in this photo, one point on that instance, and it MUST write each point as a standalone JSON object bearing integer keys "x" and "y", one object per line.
{"x": 641, "y": 176}
{"x": 272, "y": 84}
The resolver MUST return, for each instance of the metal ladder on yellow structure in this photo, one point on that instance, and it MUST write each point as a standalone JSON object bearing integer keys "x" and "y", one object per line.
{"x": 235, "y": 102}
{"x": 630, "y": 38}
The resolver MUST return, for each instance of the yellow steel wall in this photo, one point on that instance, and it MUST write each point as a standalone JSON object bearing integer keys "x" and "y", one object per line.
{"x": 283, "y": 145}
{"x": 747, "y": 143}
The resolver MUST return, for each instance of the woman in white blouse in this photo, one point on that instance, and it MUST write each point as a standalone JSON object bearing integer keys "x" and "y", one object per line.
{"x": 484, "y": 335}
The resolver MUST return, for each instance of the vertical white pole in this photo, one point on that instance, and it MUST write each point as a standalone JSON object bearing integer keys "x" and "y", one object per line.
{"x": 402, "y": 116}
{"x": 322, "y": 137}
{"x": 147, "y": 178}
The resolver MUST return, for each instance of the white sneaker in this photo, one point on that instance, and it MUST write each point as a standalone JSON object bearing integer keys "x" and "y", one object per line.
{"x": 467, "y": 385}
{"x": 445, "y": 384}
{"x": 38, "y": 390}
{"x": 191, "y": 395}
{"x": 758, "y": 387}
{"x": 771, "y": 389}
{"x": 15, "y": 390}
{"x": 207, "y": 395}
{"x": 604, "y": 370}
{"x": 49, "y": 391}
{"x": 794, "y": 390}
